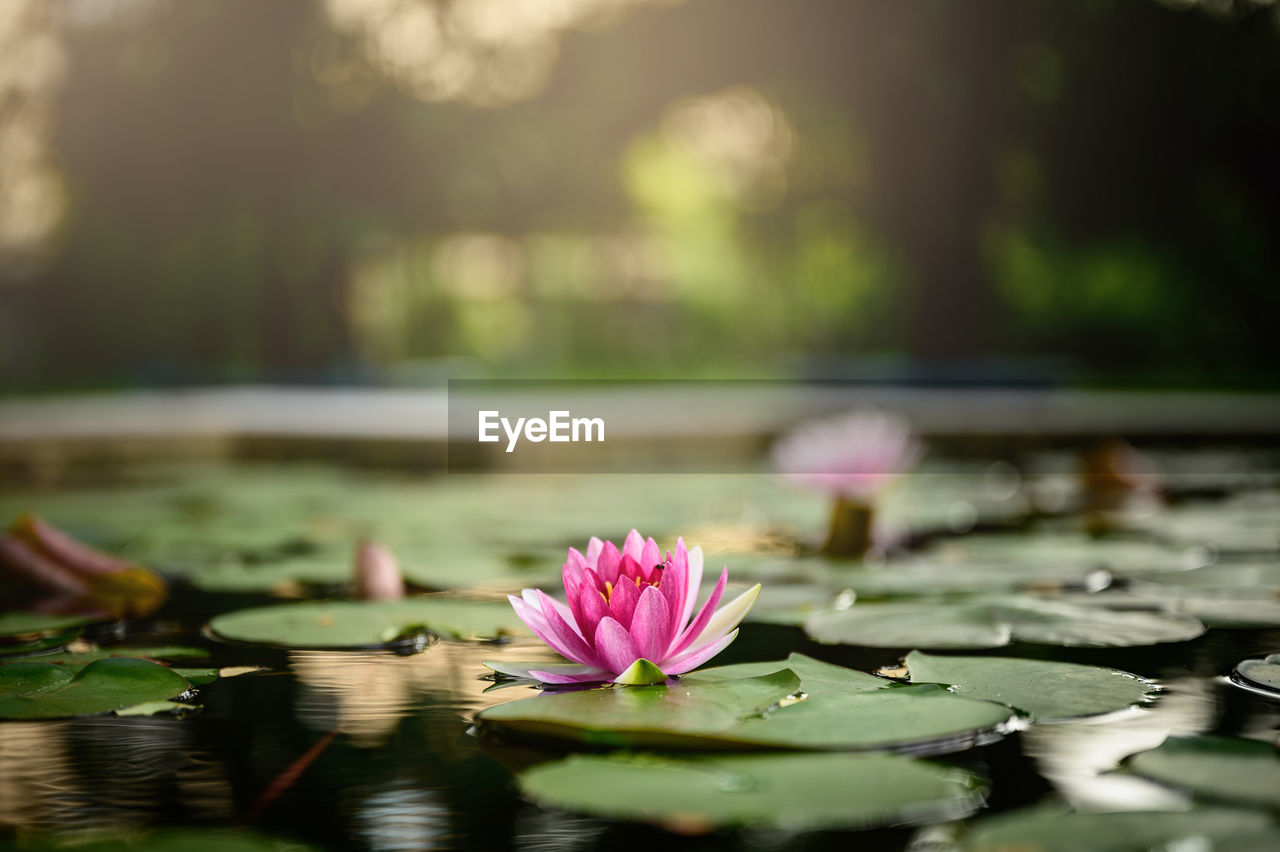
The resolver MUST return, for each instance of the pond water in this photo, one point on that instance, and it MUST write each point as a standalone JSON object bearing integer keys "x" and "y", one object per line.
{"x": 374, "y": 749}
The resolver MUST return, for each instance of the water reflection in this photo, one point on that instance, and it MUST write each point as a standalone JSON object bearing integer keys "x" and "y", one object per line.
{"x": 1077, "y": 757}
{"x": 101, "y": 772}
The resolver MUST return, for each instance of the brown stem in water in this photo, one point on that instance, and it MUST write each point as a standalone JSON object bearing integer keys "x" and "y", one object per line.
{"x": 849, "y": 536}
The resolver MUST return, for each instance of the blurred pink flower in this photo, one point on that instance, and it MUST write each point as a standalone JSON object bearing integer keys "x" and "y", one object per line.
{"x": 630, "y": 617}
{"x": 853, "y": 456}
{"x": 377, "y": 573}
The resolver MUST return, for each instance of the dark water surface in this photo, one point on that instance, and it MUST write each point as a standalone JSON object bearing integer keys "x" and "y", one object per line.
{"x": 374, "y": 750}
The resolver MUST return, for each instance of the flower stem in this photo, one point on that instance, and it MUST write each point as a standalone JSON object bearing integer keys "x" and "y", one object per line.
{"x": 850, "y": 534}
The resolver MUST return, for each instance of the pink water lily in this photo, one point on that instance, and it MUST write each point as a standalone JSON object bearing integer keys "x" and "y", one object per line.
{"x": 854, "y": 456}
{"x": 630, "y": 615}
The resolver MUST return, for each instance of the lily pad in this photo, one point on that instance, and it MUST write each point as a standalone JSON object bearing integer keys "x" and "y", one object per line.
{"x": 30, "y": 623}
{"x": 655, "y": 716}
{"x": 995, "y": 622}
{"x": 1235, "y": 611}
{"x": 1045, "y": 690}
{"x": 1261, "y": 674}
{"x": 1132, "y": 831}
{"x": 1226, "y": 769}
{"x": 915, "y": 577}
{"x": 815, "y": 675}
{"x": 47, "y": 691}
{"x": 1122, "y": 557}
{"x": 353, "y": 624}
{"x": 195, "y": 675}
{"x": 791, "y": 792}
{"x": 840, "y": 709}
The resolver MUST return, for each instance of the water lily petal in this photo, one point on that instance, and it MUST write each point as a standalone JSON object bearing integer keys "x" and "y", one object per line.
{"x": 651, "y": 624}
{"x": 593, "y": 550}
{"x": 674, "y": 584}
{"x": 694, "y": 630}
{"x": 633, "y": 546}
{"x": 650, "y": 558}
{"x": 537, "y": 622}
{"x": 622, "y": 603}
{"x": 727, "y": 617}
{"x": 690, "y": 660}
{"x": 568, "y": 636}
{"x": 571, "y": 573}
{"x": 587, "y": 675}
{"x": 693, "y": 582}
{"x": 607, "y": 563}
{"x": 614, "y": 645}
{"x": 590, "y": 609}
{"x": 629, "y": 569}
{"x": 531, "y": 598}
{"x": 512, "y": 669}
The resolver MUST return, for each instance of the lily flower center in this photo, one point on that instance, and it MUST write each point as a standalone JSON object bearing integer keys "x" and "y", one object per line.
{"x": 655, "y": 577}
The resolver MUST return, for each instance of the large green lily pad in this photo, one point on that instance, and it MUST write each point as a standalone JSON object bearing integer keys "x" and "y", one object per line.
{"x": 1260, "y": 674}
{"x": 31, "y": 690}
{"x": 1132, "y": 831}
{"x": 1224, "y": 769}
{"x": 351, "y": 624}
{"x": 995, "y": 622}
{"x": 1042, "y": 689}
{"x": 792, "y": 791}
{"x": 840, "y": 709}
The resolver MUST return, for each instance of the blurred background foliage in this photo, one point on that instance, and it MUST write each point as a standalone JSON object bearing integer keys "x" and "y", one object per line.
{"x": 393, "y": 191}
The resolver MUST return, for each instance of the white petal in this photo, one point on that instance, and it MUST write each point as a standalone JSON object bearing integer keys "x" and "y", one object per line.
{"x": 726, "y": 618}
{"x": 693, "y": 584}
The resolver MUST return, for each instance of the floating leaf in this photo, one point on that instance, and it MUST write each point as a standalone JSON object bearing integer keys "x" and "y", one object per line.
{"x": 350, "y": 624}
{"x": 995, "y": 622}
{"x": 1228, "y": 769}
{"x": 815, "y": 675}
{"x": 29, "y": 623}
{"x": 48, "y": 691}
{"x": 1045, "y": 690}
{"x": 1263, "y": 674}
{"x": 1122, "y": 557}
{"x": 657, "y": 716}
{"x": 161, "y": 652}
{"x": 841, "y": 709}
{"x": 1224, "y": 611}
{"x": 791, "y": 792}
{"x": 1133, "y": 831}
